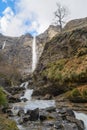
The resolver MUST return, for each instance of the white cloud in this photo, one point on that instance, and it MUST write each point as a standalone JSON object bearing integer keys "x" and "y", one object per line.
{"x": 5, "y": 1}
{"x": 37, "y": 14}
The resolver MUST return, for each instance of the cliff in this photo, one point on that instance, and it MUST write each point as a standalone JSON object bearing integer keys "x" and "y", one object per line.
{"x": 17, "y": 51}
{"x": 16, "y": 55}
{"x": 63, "y": 64}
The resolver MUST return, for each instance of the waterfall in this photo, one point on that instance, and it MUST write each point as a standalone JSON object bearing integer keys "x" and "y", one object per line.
{"x": 34, "y": 54}
{"x": 83, "y": 117}
{"x": 3, "y": 46}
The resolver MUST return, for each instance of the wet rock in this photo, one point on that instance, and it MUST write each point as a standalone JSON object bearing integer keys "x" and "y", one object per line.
{"x": 34, "y": 114}
{"x": 13, "y": 100}
{"x": 42, "y": 117}
{"x": 10, "y": 113}
{"x": 70, "y": 112}
{"x": 79, "y": 123}
{"x": 58, "y": 125}
{"x": 69, "y": 126}
{"x": 21, "y": 113}
{"x": 24, "y": 99}
{"x": 51, "y": 109}
{"x": 26, "y": 118}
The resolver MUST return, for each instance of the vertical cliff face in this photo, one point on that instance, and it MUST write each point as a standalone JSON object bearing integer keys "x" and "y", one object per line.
{"x": 17, "y": 51}
{"x": 43, "y": 38}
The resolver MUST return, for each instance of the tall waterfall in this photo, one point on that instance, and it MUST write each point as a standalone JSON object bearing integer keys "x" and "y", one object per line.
{"x": 34, "y": 54}
{"x": 3, "y": 46}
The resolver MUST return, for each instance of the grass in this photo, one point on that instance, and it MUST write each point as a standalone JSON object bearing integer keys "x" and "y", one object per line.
{"x": 78, "y": 94}
{"x": 7, "y": 124}
{"x": 67, "y": 71}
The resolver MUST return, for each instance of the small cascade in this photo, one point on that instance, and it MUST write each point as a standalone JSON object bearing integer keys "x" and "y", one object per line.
{"x": 31, "y": 104}
{"x": 34, "y": 54}
{"x": 83, "y": 117}
{"x": 4, "y": 44}
{"x": 28, "y": 92}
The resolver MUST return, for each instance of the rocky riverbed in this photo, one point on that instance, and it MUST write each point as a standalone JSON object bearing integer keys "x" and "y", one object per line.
{"x": 57, "y": 113}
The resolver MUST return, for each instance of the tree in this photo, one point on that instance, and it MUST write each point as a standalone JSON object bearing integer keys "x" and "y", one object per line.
{"x": 60, "y": 14}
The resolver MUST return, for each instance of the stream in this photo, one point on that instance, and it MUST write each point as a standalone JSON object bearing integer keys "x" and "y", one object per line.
{"x": 32, "y": 104}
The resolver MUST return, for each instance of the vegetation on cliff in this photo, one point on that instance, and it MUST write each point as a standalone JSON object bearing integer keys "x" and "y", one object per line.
{"x": 78, "y": 94}
{"x": 63, "y": 64}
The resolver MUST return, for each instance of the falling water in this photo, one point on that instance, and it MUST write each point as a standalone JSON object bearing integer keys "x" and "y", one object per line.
{"x": 34, "y": 55}
{"x": 83, "y": 117}
{"x": 3, "y": 46}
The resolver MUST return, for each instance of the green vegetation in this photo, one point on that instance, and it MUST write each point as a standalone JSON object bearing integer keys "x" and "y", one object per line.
{"x": 78, "y": 94}
{"x": 3, "y": 100}
{"x": 7, "y": 124}
{"x": 53, "y": 70}
{"x": 67, "y": 71}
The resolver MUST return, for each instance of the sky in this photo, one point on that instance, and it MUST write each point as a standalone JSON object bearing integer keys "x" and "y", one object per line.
{"x": 18, "y": 17}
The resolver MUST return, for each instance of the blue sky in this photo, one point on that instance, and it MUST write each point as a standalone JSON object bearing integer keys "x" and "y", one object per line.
{"x": 4, "y": 4}
{"x": 18, "y": 17}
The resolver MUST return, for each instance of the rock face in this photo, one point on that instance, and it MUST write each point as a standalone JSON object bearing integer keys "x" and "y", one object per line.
{"x": 63, "y": 64}
{"x": 43, "y": 38}
{"x": 17, "y": 50}
{"x": 76, "y": 24}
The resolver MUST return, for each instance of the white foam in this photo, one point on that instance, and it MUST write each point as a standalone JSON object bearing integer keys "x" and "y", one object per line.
{"x": 83, "y": 117}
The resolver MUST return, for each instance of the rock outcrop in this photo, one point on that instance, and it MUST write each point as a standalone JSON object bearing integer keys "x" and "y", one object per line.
{"x": 76, "y": 23}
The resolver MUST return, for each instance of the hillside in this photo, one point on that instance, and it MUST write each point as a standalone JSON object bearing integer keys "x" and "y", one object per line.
{"x": 63, "y": 64}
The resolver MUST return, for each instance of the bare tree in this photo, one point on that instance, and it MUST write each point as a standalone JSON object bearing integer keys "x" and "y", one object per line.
{"x": 60, "y": 14}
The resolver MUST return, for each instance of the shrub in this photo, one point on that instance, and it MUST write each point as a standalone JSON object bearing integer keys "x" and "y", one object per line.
{"x": 75, "y": 92}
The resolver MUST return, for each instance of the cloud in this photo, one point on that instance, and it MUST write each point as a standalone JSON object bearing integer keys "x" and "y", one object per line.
{"x": 5, "y": 1}
{"x": 35, "y": 15}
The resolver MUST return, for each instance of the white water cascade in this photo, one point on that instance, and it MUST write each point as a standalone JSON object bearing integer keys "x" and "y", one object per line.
{"x": 31, "y": 104}
{"x": 4, "y": 44}
{"x": 83, "y": 117}
{"x": 34, "y": 54}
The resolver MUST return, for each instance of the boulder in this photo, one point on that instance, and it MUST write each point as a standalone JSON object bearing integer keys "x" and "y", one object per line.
{"x": 34, "y": 114}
